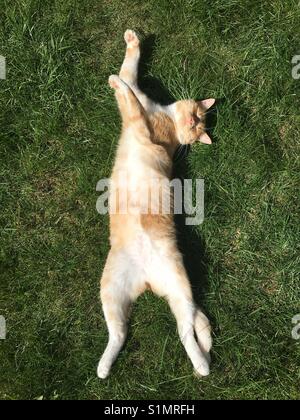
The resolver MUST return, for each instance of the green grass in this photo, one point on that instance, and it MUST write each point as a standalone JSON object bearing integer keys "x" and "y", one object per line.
{"x": 59, "y": 128}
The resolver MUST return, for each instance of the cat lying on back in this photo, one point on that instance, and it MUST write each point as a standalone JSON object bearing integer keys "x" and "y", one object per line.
{"x": 144, "y": 253}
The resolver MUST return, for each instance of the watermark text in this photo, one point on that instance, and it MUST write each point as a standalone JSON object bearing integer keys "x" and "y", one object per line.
{"x": 296, "y": 329}
{"x": 2, "y": 328}
{"x": 125, "y": 194}
{"x": 2, "y": 67}
{"x": 296, "y": 67}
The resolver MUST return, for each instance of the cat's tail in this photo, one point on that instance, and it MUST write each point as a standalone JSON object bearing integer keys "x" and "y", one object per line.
{"x": 203, "y": 332}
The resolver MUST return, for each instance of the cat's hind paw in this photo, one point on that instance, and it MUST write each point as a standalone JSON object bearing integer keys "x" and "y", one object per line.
{"x": 202, "y": 370}
{"x": 131, "y": 39}
{"x": 102, "y": 370}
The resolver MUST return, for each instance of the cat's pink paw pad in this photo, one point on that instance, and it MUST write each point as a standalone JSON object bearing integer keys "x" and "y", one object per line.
{"x": 114, "y": 81}
{"x": 131, "y": 39}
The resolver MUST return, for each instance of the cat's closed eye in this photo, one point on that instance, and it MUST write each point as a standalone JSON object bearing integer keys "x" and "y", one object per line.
{"x": 196, "y": 119}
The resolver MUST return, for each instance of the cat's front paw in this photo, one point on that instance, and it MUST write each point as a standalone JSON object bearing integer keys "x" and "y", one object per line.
{"x": 114, "y": 81}
{"x": 131, "y": 39}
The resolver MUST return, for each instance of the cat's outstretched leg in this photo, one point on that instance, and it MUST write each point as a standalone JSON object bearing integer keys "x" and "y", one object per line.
{"x": 116, "y": 309}
{"x": 169, "y": 279}
{"x": 129, "y": 105}
{"x": 116, "y": 318}
{"x": 184, "y": 311}
{"x": 117, "y": 295}
{"x": 131, "y": 109}
{"x": 121, "y": 284}
{"x": 129, "y": 68}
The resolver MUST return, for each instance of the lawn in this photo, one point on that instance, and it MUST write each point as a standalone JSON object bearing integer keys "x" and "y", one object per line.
{"x": 59, "y": 130}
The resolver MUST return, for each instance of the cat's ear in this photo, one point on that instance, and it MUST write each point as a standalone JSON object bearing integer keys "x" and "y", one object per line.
{"x": 207, "y": 103}
{"x": 205, "y": 139}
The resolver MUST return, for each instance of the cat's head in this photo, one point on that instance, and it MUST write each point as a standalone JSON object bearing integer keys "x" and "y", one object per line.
{"x": 190, "y": 121}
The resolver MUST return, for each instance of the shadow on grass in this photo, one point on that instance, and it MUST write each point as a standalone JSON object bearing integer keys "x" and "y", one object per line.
{"x": 192, "y": 247}
{"x": 151, "y": 85}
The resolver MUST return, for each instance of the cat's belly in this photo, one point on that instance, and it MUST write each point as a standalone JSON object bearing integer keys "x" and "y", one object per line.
{"x": 153, "y": 265}
{"x": 142, "y": 251}
{"x": 146, "y": 253}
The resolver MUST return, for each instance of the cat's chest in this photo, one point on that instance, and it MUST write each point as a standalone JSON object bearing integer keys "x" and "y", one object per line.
{"x": 140, "y": 161}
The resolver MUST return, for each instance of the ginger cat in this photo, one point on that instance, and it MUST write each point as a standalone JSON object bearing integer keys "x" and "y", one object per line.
{"x": 144, "y": 253}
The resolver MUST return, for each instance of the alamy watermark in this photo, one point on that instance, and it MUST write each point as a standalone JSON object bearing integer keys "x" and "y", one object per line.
{"x": 296, "y": 329}
{"x": 296, "y": 67}
{"x": 2, "y": 67}
{"x": 2, "y": 328}
{"x": 125, "y": 195}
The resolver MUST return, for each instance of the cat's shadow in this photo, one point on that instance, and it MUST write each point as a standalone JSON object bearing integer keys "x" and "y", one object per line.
{"x": 152, "y": 86}
{"x": 192, "y": 247}
{"x": 191, "y": 244}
